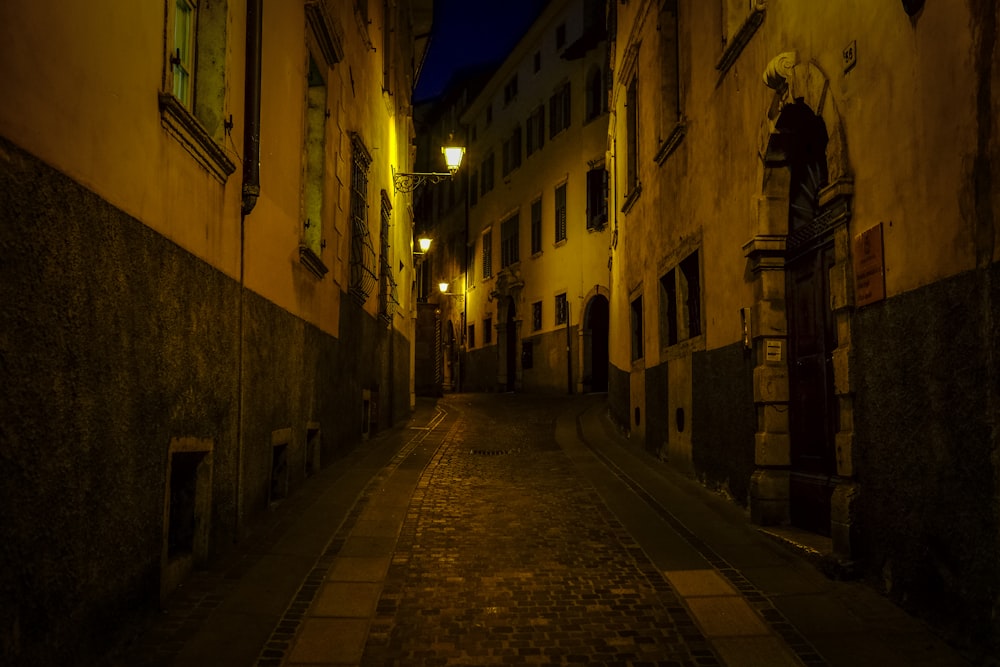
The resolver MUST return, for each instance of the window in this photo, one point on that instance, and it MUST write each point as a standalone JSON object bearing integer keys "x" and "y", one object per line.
{"x": 193, "y": 97}
{"x": 489, "y": 114}
{"x": 562, "y": 309}
{"x": 595, "y": 93}
{"x": 512, "y": 151}
{"x": 487, "y": 255}
{"x": 388, "y": 30}
{"x": 536, "y": 130}
{"x": 387, "y": 285}
{"x": 472, "y": 335}
{"x": 311, "y": 246}
{"x": 670, "y": 128}
{"x": 561, "y": 213}
{"x": 487, "y": 331}
{"x": 560, "y": 35}
{"x": 559, "y": 110}
{"x": 486, "y": 173}
{"x": 680, "y": 301}
{"x": 538, "y": 61}
{"x": 474, "y": 189}
{"x": 636, "y": 327}
{"x": 182, "y": 59}
{"x": 597, "y": 198}
{"x": 536, "y": 316}
{"x": 363, "y": 278}
{"x": 632, "y": 148}
{"x": 536, "y": 226}
{"x": 510, "y": 90}
{"x": 509, "y": 239}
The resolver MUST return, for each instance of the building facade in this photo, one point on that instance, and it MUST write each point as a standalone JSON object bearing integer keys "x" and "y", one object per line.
{"x": 535, "y": 284}
{"x": 206, "y": 274}
{"x": 804, "y": 275}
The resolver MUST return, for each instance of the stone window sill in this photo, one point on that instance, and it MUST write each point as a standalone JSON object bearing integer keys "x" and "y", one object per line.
{"x": 181, "y": 123}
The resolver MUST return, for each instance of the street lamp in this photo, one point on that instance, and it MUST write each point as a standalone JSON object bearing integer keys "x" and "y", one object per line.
{"x": 406, "y": 182}
{"x": 443, "y": 286}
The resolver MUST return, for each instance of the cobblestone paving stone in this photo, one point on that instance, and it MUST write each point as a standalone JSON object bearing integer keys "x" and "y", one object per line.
{"x": 508, "y": 556}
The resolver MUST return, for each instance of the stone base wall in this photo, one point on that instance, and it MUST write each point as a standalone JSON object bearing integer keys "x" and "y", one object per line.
{"x": 925, "y": 416}
{"x": 115, "y": 346}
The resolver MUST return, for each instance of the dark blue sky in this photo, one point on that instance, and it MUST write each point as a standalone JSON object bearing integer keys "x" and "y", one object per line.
{"x": 472, "y": 32}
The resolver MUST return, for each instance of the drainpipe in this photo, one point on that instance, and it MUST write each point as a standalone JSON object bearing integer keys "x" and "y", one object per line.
{"x": 250, "y": 192}
{"x": 251, "y": 108}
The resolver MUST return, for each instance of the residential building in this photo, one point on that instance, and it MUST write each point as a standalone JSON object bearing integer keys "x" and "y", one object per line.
{"x": 803, "y": 300}
{"x": 206, "y": 275}
{"x": 536, "y": 278}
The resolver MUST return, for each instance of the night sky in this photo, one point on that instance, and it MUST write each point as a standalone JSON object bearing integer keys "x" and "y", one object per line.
{"x": 472, "y": 32}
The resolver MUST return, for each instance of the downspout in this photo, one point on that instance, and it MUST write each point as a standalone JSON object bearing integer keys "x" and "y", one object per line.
{"x": 250, "y": 192}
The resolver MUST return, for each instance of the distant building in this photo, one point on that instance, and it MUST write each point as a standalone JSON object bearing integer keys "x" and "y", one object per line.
{"x": 534, "y": 286}
{"x": 804, "y": 268}
{"x": 182, "y": 342}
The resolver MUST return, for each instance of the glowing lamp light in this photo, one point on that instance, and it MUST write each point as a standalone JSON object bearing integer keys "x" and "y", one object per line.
{"x": 443, "y": 287}
{"x": 424, "y": 242}
{"x": 453, "y": 157}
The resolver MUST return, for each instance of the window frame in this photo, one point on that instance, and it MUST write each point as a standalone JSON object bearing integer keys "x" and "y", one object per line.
{"x": 561, "y": 213}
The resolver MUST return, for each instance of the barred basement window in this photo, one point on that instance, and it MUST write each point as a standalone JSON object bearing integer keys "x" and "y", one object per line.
{"x": 387, "y": 299}
{"x": 363, "y": 277}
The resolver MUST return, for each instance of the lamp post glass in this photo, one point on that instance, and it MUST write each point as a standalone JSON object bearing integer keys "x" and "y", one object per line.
{"x": 424, "y": 243}
{"x": 443, "y": 287}
{"x": 453, "y": 157}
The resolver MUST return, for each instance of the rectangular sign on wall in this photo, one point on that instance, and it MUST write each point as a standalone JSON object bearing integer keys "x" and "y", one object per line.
{"x": 869, "y": 267}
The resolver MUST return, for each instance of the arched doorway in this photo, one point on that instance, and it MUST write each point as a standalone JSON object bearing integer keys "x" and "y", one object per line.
{"x": 812, "y": 331}
{"x": 801, "y": 321}
{"x": 595, "y": 345}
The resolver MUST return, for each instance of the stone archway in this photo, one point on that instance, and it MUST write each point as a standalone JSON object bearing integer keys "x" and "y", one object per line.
{"x": 799, "y": 86}
{"x": 593, "y": 344}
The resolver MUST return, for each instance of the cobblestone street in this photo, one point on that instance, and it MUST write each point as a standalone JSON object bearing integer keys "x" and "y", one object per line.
{"x": 508, "y": 529}
{"x": 508, "y": 555}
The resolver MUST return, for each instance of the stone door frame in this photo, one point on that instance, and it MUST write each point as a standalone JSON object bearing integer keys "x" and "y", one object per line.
{"x": 796, "y": 81}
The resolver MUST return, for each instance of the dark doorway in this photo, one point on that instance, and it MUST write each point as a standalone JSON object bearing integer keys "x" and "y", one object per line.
{"x": 812, "y": 334}
{"x": 511, "y": 345}
{"x": 597, "y": 323}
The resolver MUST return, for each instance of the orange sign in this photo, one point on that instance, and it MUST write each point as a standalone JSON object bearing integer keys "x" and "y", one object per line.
{"x": 869, "y": 267}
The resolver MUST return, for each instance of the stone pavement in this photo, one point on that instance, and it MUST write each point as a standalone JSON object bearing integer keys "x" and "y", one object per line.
{"x": 512, "y": 529}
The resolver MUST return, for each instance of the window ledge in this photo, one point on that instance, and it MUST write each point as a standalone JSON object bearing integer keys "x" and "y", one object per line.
{"x": 632, "y": 197}
{"x": 181, "y": 123}
{"x": 671, "y": 143}
{"x": 559, "y": 243}
{"x": 311, "y": 261}
{"x": 741, "y": 38}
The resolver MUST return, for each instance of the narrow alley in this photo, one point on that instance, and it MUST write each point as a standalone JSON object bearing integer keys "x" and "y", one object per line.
{"x": 513, "y": 529}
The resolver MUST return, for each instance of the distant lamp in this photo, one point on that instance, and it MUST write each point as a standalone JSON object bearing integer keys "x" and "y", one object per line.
{"x": 444, "y": 290}
{"x": 406, "y": 182}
